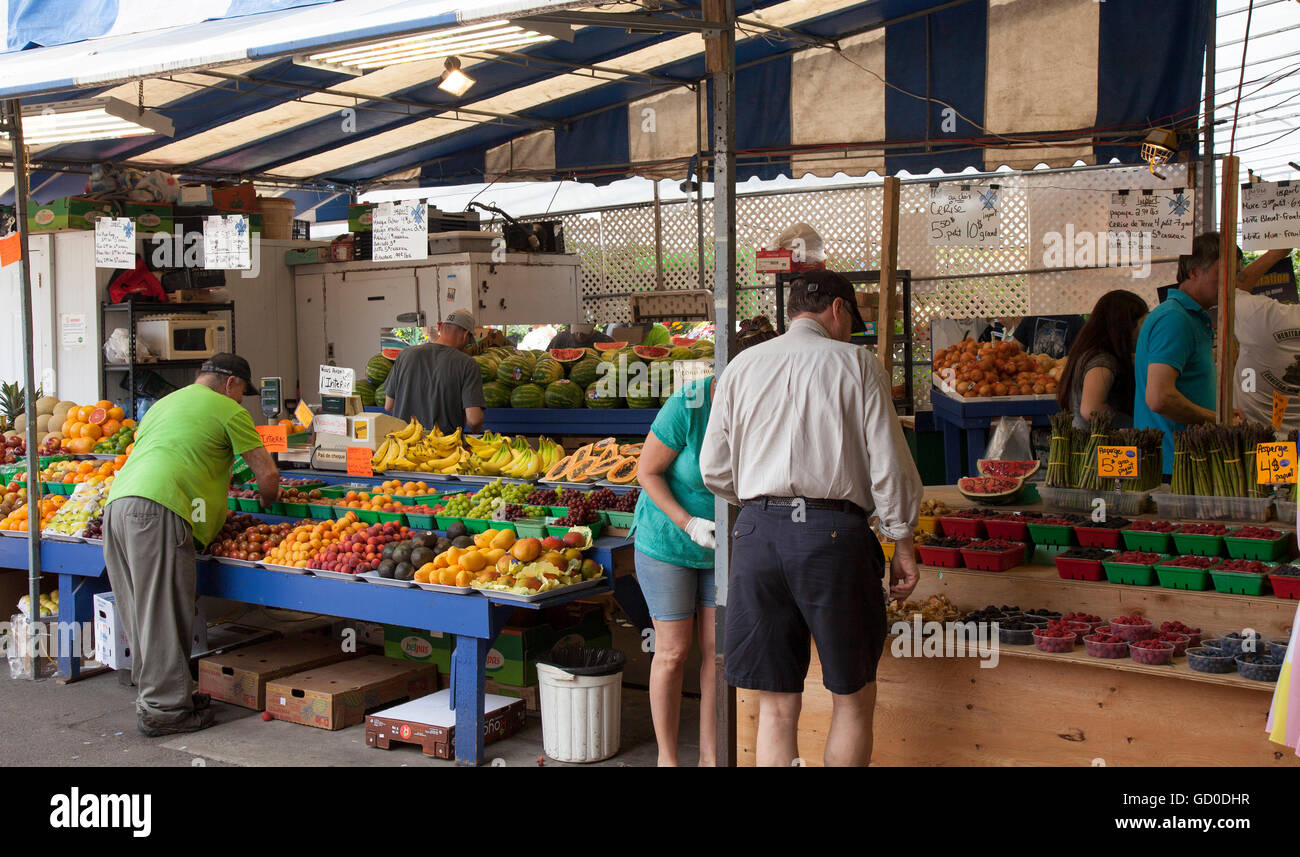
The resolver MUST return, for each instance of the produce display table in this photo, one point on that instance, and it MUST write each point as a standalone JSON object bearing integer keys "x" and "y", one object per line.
{"x": 474, "y": 619}
{"x": 954, "y": 415}
{"x": 1036, "y": 708}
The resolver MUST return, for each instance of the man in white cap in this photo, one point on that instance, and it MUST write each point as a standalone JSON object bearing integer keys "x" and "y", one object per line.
{"x": 437, "y": 382}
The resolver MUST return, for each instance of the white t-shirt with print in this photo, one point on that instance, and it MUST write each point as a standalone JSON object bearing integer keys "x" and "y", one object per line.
{"x": 1269, "y": 335}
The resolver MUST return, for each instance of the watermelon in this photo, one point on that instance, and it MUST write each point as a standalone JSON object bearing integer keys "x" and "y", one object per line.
{"x": 547, "y": 370}
{"x": 609, "y": 346}
{"x": 563, "y": 394}
{"x": 366, "y": 390}
{"x": 568, "y": 355}
{"x": 642, "y": 401}
{"x": 650, "y": 352}
{"x": 595, "y": 398}
{"x": 527, "y": 396}
{"x": 585, "y": 372}
{"x": 661, "y": 378}
{"x": 496, "y": 395}
{"x": 703, "y": 348}
{"x": 1007, "y": 469}
{"x": 658, "y": 335}
{"x": 380, "y": 395}
{"x": 487, "y": 367}
{"x": 681, "y": 353}
{"x": 683, "y": 340}
{"x": 514, "y": 371}
{"x": 993, "y": 490}
{"x": 377, "y": 368}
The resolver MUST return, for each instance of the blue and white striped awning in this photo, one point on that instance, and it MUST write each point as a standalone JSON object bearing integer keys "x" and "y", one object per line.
{"x": 840, "y": 87}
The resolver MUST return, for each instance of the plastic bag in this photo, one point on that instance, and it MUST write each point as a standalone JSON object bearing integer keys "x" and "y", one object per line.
{"x": 118, "y": 347}
{"x": 803, "y": 241}
{"x": 1010, "y": 441}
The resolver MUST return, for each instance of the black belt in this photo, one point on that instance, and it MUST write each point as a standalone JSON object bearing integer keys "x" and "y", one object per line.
{"x": 806, "y": 502}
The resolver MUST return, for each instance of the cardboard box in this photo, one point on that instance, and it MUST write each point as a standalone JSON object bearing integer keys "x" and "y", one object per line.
{"x": 192, "y": 296}
{"x": 111, "y": 646}
{"x": 339, "y": 695}
{"x": 348, "y": 406}
{"x": 430, "y": 723}
{"x": 531, "y": 695}
{"x": 150, "y": 217}
{"x": 13, "y": 586}
{"x": 194, "y": 195}
{"x": 238, "y": 199}
{"x": 309, "y": 256}
{"x": 240, "y": 677}
{"x": 69, "y": 212}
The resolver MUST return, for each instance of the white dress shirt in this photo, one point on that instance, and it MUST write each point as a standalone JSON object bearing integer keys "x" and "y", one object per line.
{"x": 804, "y": 415}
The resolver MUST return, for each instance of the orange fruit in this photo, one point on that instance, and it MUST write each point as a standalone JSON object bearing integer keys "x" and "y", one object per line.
{"x": 120, "y": 460}
{"x": 97, "y": 416}
{"x": 116, "y": 413}
{"x": 92, "y": 430}
{"x": 103, "y": 403}
{"x": 128, "y": 423}
{"x": 111, "y": 427}
{"x": 129, "y": 447}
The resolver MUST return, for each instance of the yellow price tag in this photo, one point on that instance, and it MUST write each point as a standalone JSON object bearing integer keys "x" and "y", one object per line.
{"x": 1280, "y": 403}
{"x": 1117, "y": 462}
{"x": 303, "y": 414}
{"x": 1275, "y": 463}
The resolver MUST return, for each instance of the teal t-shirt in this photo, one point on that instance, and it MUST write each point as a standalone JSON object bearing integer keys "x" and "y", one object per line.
{"x": 680, "y": 426}
{"x": 1177, "y": 333}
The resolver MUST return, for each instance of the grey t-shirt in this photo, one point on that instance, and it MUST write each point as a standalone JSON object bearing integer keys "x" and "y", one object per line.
{"x": 435, "y": 384}
{"x": 1123, "y": 408}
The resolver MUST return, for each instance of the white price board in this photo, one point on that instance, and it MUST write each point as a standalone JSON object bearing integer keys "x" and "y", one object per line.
{"x": 227, "y": 243}
{"x": 400, "y": 231}
{"x": 337, "y": 380}
{"x": 1270, "y": 216}
{"x": 1167, "y": 216}
{"x": 335, "y": 424}
{"x": 115, "y": 242}
{"x": 965, "y": 216}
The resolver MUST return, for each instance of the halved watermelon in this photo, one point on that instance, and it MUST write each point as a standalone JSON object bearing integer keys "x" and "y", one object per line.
{"x": 651, "y": 352}
{"x": 1008, "y": 469}
{"x": 608, "y": 346}
{"x": 684, "y": 341}
{"x": 568, "y": 355}
{"x": 992, "y": 490}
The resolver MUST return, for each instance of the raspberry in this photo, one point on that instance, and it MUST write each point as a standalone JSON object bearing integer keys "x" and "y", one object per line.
{"x": 1152, "y": 527}
{"x": 1264, "y": 533}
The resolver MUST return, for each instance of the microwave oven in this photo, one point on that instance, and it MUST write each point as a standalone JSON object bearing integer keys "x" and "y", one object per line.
{"x": 184, "y": 337}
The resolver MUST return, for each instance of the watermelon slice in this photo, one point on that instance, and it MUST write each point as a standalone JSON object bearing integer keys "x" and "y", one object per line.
{"x": 651, "y": 352}
{"x": 568, "y": 355}
{"x": 1008, "y": 469}
{"x": 608, "y": 346}
{"x": 992, "y": 490}
{"x": 684, "y": 341}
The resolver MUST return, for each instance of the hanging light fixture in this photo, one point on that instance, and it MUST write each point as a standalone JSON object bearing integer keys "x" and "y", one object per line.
{"x": 454, "y": 80}
{"x": 89, "y": 119}
{"x": 1159, "y": 148}
{"x": 491, "y": 35}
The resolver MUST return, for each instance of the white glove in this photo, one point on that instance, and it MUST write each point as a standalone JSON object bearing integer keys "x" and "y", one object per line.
{"x": 701, "y": 532}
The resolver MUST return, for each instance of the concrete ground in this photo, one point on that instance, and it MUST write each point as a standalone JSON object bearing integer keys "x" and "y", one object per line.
{"x": 92, "y": 723}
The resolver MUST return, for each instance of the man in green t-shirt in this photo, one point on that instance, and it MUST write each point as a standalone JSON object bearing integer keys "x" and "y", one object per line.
{"x": 169, "y": 498}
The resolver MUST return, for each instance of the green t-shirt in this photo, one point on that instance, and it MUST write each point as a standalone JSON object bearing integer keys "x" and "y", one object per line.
{"x": 680, "y": 426}
{"x": 184, "y": 449}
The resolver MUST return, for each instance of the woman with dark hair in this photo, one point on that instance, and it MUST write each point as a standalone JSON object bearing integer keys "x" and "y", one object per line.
{"x": 1099, "y": 372}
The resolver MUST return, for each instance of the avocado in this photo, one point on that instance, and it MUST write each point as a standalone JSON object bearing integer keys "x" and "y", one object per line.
{"x": 462, "y": 542}
{"x": 456, "y": 529}
{"x": 401, "y": 554}
{"x": 426, "y": 540}
{"x": 403, "y": 571}
{"x": 421, "y": 555}
{"x": 386, "y": 567}
{"x": 387, "y": 552}
{"x": 443, "y": 544}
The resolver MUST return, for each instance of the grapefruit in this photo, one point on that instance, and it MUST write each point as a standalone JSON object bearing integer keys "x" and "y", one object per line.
{"x": 97, "y": 416}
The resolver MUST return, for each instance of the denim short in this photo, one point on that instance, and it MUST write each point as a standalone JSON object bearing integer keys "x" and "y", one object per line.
{"x": 671, "y": 591}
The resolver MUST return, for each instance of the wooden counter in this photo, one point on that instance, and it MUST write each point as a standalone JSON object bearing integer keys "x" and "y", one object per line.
{"x": 1035, "y": 708}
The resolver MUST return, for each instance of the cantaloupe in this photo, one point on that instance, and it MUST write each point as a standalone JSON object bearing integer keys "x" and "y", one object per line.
{"x": 46, "y": 405}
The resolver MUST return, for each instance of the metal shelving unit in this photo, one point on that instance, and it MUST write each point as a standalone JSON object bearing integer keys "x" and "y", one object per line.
{"x": 135, "y": 311}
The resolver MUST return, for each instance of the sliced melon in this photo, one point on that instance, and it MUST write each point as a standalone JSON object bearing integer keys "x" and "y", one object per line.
{"x": 609, "y": 346}
{"x": 1008, "y": 468}
{"x": 991, "y": 490}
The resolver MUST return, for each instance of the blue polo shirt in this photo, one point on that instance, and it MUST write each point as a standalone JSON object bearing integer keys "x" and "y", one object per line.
{"x": 1177, "y": 333}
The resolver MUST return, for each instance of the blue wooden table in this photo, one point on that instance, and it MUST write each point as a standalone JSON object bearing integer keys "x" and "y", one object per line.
{"x": 561, "y": 421}
{"x": 954, "y": 415}
{"x": 475, "y": 619}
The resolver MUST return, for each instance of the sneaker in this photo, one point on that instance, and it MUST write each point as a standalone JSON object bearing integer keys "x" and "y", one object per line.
{"x": 201, "y": 701}
{"x": 192, "y": 722}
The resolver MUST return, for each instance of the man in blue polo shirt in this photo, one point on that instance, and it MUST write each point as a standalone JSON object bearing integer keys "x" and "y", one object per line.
{"x": 1174, "y": 369}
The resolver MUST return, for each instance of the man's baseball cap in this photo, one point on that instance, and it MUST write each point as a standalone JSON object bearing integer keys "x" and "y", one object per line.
{"x": 234, "y": 365}
{"x": 461, "y": 318}
{"x": 825, "y": 282}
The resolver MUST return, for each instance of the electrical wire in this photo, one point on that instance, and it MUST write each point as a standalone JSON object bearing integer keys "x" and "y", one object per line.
{"x": 1245, "y": 44}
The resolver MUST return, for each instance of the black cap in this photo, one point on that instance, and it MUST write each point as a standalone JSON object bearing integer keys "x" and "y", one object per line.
{"x": 820, "y": 281}
{"x": 234, "y": 365}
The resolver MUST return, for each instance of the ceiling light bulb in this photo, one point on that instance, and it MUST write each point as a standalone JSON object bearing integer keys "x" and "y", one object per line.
{"x": 454, "y": 80}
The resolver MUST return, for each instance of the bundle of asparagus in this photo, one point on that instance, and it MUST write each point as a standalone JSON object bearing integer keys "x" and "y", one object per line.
{"x": 1218, "y": 461}
{"x": 1078, "y": 450}
{"x": 1098, "y": 435}
{"x": 1149, "y": 443}
{"x": 1058, "y": 452}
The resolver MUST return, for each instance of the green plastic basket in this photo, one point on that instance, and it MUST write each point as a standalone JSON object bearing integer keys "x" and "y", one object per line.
{"x": 1258, "y": 549}
{"x": 57, "y": 488}
{"x": 1134, "y": 575}
{"x": 418, "y": 500}
{"x": 1198, "y": 545}
{"x": 232, "y": 503}
{"x": 558, "y": 532}
{"x": 1146, "y": 542}
{"x": 445, "y": 521}
{"x": 1059, "y": 535}
{"x": 1193, "y": 579}
{"x": 370, "y": 516}
{"x": 417, "y": 521}
{"x": 533, "y": 528}
{"x": 504, "y": 525}
{"x": 393, "y": 517}
{"x": 320, "y": 512}
{"x": 1239, "y": 582}
{"x": 620, "y": 519}
{"x": 477, "y": 525}
{"x": 276, "y": 508}
{"x": 248, "y": 504}
{"x": 558, "y": 511}
{"x": 298, "y": 510}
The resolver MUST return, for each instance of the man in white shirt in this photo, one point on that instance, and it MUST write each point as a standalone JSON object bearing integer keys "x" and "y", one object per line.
{"x": 803, "y": 434}
{"x": 1268, "y": 333}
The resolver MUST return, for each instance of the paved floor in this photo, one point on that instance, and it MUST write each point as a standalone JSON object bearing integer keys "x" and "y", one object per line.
{"x": 92, "y": 723}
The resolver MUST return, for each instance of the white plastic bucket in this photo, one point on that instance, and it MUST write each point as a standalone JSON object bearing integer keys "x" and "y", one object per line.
{"x": 581, "y": 715}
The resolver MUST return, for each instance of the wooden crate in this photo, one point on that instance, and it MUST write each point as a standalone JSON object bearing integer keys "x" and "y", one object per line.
{"x": 339, "y": 695}
{"x": 430, "y": 723}
{"x": 240, "y": 676}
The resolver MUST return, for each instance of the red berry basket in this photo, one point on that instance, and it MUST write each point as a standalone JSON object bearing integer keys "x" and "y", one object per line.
{"x": 1130, "y": 631}
{"x": 1053, "y": 645}
{"x": 941, "y": 557}
{"x": 1100, "y": 649}
{"x": 1285, "y": 586}
{"x": 1011, "y": 527}
{"x": 1079, "y": 569}
{"x": 962, "y": 528}
{"x": 984, "y": 560}
{"x": 1098, "y": 537}
{"x": 1152, "y": 652}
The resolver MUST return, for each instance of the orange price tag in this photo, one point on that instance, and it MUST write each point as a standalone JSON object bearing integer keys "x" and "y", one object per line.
{"x": 1117, "y": 462}
{"x": 359, "y": 461}
{"x": 10, "y": 249}
{"x": 274, "y": 438}
{"x": 1275, "y": 463}
{"x": 1280, "y": 403}
{"x": 303, "y": 414}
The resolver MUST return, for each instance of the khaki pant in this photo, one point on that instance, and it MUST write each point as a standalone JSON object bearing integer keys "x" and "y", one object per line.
{"x": 149, "y": 553}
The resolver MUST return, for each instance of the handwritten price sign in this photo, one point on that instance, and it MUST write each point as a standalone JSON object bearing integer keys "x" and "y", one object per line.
{"x": 274, "y": 438}
{"x": 1275, "y": 463}
{"x": 1279, "y": 408}
{"x": 1117, "y": 462}
{"x": 359, "y": 461}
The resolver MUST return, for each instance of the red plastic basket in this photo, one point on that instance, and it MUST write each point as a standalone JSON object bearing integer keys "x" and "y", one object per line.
{"x": 990, "y": 561}
{"x": 962, "y": 528}
{"x": 941, "y": 557}
{"x": 1097, "y": 537}
{"x": 1080, "y": 569}
{"x": 1012, "y": 531}
{"x": 1285, "y": 587}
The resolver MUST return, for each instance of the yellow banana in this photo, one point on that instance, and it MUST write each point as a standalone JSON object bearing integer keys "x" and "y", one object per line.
{"x": 380, "y": 453}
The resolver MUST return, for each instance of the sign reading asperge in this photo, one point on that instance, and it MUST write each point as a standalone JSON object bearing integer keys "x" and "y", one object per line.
{"x": 337, "y": 380}
{"x": 1275, "y": 463}
{"x": 965, "y": 216}
{"x": 1117, "y": 462}
{"x": 1270, "y": 215}
{"x": 400, "y": 231}
{"x": 115, "y": 242}
{"x": 227, "y": 244}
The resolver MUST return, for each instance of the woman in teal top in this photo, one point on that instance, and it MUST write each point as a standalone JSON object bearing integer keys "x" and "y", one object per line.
{"x": 673, "y": 528}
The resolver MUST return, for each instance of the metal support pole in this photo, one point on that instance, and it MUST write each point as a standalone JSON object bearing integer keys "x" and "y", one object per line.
{"x": 720, "y": 55}
{"x": 699, "y": 186}
{"x": 1207, "y": 138}
{"x": 15, "y": 122}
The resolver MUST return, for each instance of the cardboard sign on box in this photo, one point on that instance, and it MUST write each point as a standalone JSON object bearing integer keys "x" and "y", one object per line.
{"x": 339, "y": 695}
{"x": 234, "y": 199}
{"x": 111, "y": 646}
{"x": 430, "y": 723}
{"x": 240, "y": 677}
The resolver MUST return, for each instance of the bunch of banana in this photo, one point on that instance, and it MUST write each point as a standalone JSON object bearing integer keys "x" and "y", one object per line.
{"x": 526, "y": 463}
{"x": 435, "y": 450}
{"x": 487, "y": 446}
{"x": 392, "y": 453}
{"x": 550, "y": 451}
